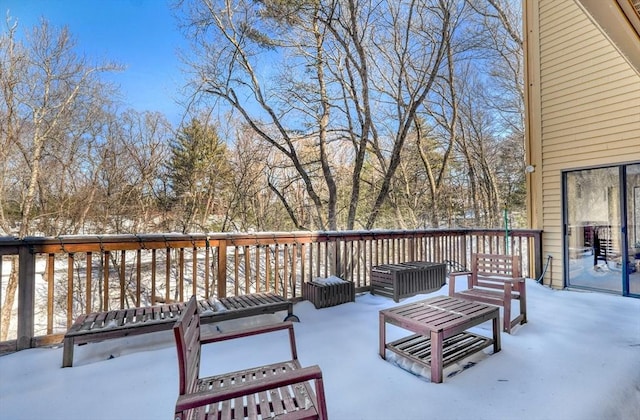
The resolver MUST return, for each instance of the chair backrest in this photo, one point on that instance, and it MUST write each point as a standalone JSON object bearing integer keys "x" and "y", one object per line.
{"x": 484, "y": 267}
{"x": 187, "y": 335}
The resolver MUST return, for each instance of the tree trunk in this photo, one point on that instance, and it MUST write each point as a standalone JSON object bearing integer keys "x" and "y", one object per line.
{"x": 9, "y": 300}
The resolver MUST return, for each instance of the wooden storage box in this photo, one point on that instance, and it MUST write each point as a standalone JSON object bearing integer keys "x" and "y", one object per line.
{"x": 325, "y": 295}
{"x": 407, "y": 279}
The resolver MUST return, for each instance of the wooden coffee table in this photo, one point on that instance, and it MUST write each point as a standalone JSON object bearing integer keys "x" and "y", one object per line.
{"x": 439, "y": 324}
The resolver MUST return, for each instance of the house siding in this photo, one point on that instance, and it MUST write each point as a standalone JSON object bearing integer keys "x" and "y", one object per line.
{"x": 589, "y": 115}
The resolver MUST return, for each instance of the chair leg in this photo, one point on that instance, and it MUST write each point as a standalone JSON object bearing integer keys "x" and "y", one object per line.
{"x": 523, "y": 303}
{"x": 507, "y": 316}
{"x": 506, "y": 300}
{"x": 67, "y": 352}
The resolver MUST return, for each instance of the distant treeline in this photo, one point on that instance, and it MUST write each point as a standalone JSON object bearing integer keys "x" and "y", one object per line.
{"x": 330, "y": 116}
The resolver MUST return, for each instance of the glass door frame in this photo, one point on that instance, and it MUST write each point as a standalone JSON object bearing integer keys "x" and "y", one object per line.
{"x": 622, "y": 208}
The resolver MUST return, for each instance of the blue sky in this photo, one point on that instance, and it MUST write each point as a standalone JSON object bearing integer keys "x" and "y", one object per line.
{"x": 139, "y": 34}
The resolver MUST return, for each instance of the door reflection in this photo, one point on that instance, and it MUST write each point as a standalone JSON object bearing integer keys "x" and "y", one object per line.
{"x": 593, "y": 229}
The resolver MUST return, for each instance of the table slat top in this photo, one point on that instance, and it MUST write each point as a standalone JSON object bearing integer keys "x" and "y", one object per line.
{"x": 440, "y": 312}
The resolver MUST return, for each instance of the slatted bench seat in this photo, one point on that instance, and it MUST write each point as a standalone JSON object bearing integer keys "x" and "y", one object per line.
{"x": 99, "y": 326}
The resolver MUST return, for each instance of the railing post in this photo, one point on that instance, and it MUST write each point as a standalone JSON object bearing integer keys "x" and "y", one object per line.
{"x": 537, "y": 257}
{"x": 468, "y": 249}
{"x": 412, "y": 248}
{"x": 222, "y": 268}
{"x": 333, "y": 248}
{"x": 1, "y": 301}
{"x": 337, "y": 264}
{"x": 26, "y": 296}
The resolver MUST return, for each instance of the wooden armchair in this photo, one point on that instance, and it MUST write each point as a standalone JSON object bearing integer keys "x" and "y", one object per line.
{"x": 280, "y": 390}
{"x": 494, "y": 279}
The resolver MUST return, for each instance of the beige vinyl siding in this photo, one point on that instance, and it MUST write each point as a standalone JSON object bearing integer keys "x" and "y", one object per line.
{"x": 603, "y": 90}
{"x": 590, "y": 109}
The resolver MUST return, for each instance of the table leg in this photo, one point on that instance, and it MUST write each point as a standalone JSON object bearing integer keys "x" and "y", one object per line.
{"x": 436, "y": 357}
{"x": 383, "y": 331}
{"x": 496, "y": 333}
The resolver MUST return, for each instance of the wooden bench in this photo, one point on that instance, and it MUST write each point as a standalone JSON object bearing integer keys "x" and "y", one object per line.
{"x": 99, "y": 326}
{"x": 494, "y": 279}
{"x": 279, "y": 390}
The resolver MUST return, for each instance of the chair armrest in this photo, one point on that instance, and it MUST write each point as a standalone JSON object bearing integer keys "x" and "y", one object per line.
{"x": 263, "y": 329}
{"x": 511, "y": 280}
{"x": 510, "y": 285}
{"x": 518, "y": 284}
{"x": 459, "y": 273}
{"x": 452, "y": 280}
{"x": 198, "y": 399}
{"x": 247, "y": 332}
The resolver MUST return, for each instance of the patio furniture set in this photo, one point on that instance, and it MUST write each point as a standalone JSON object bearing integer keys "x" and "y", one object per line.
{"x": 439, "y": 338}
{"x": 440, "y": 323}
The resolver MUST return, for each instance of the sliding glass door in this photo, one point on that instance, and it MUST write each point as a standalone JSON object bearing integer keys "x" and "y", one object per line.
{"x": 633, "y": 226}
{"x": 602, "y": 208}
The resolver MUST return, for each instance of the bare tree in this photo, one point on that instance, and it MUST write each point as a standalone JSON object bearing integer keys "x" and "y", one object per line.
{"x": 502, "y": 44}
{"x": 123, "y": 171}
{"x": 444, "y": 114}
{"x": 353, "y": 72}
{"x": 479, "y": 144}
{"x": 13, "y": 64}
{"x": 145, "y": 140}
{"x": 47, "y": 91}
{"x": 250, "y": 204}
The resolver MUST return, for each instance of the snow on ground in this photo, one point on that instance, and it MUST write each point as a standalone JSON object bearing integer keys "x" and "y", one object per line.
{"x": 577, "y": 358}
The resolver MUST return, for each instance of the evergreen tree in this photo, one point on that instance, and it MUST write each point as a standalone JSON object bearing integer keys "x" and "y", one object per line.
{"x": 199, "y": 175}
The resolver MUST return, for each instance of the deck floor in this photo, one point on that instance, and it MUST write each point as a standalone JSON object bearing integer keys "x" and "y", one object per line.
{"x": 553, "y": 367}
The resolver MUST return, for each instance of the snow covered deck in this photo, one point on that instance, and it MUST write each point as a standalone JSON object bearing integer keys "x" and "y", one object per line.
{"x": 577, "y": 358}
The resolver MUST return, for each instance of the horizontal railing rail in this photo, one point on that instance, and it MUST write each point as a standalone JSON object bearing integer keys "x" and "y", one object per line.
{"x": 60, "y": 278}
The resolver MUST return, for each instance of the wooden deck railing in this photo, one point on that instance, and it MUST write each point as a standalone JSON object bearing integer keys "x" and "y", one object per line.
{"x": 63, "y": 277}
